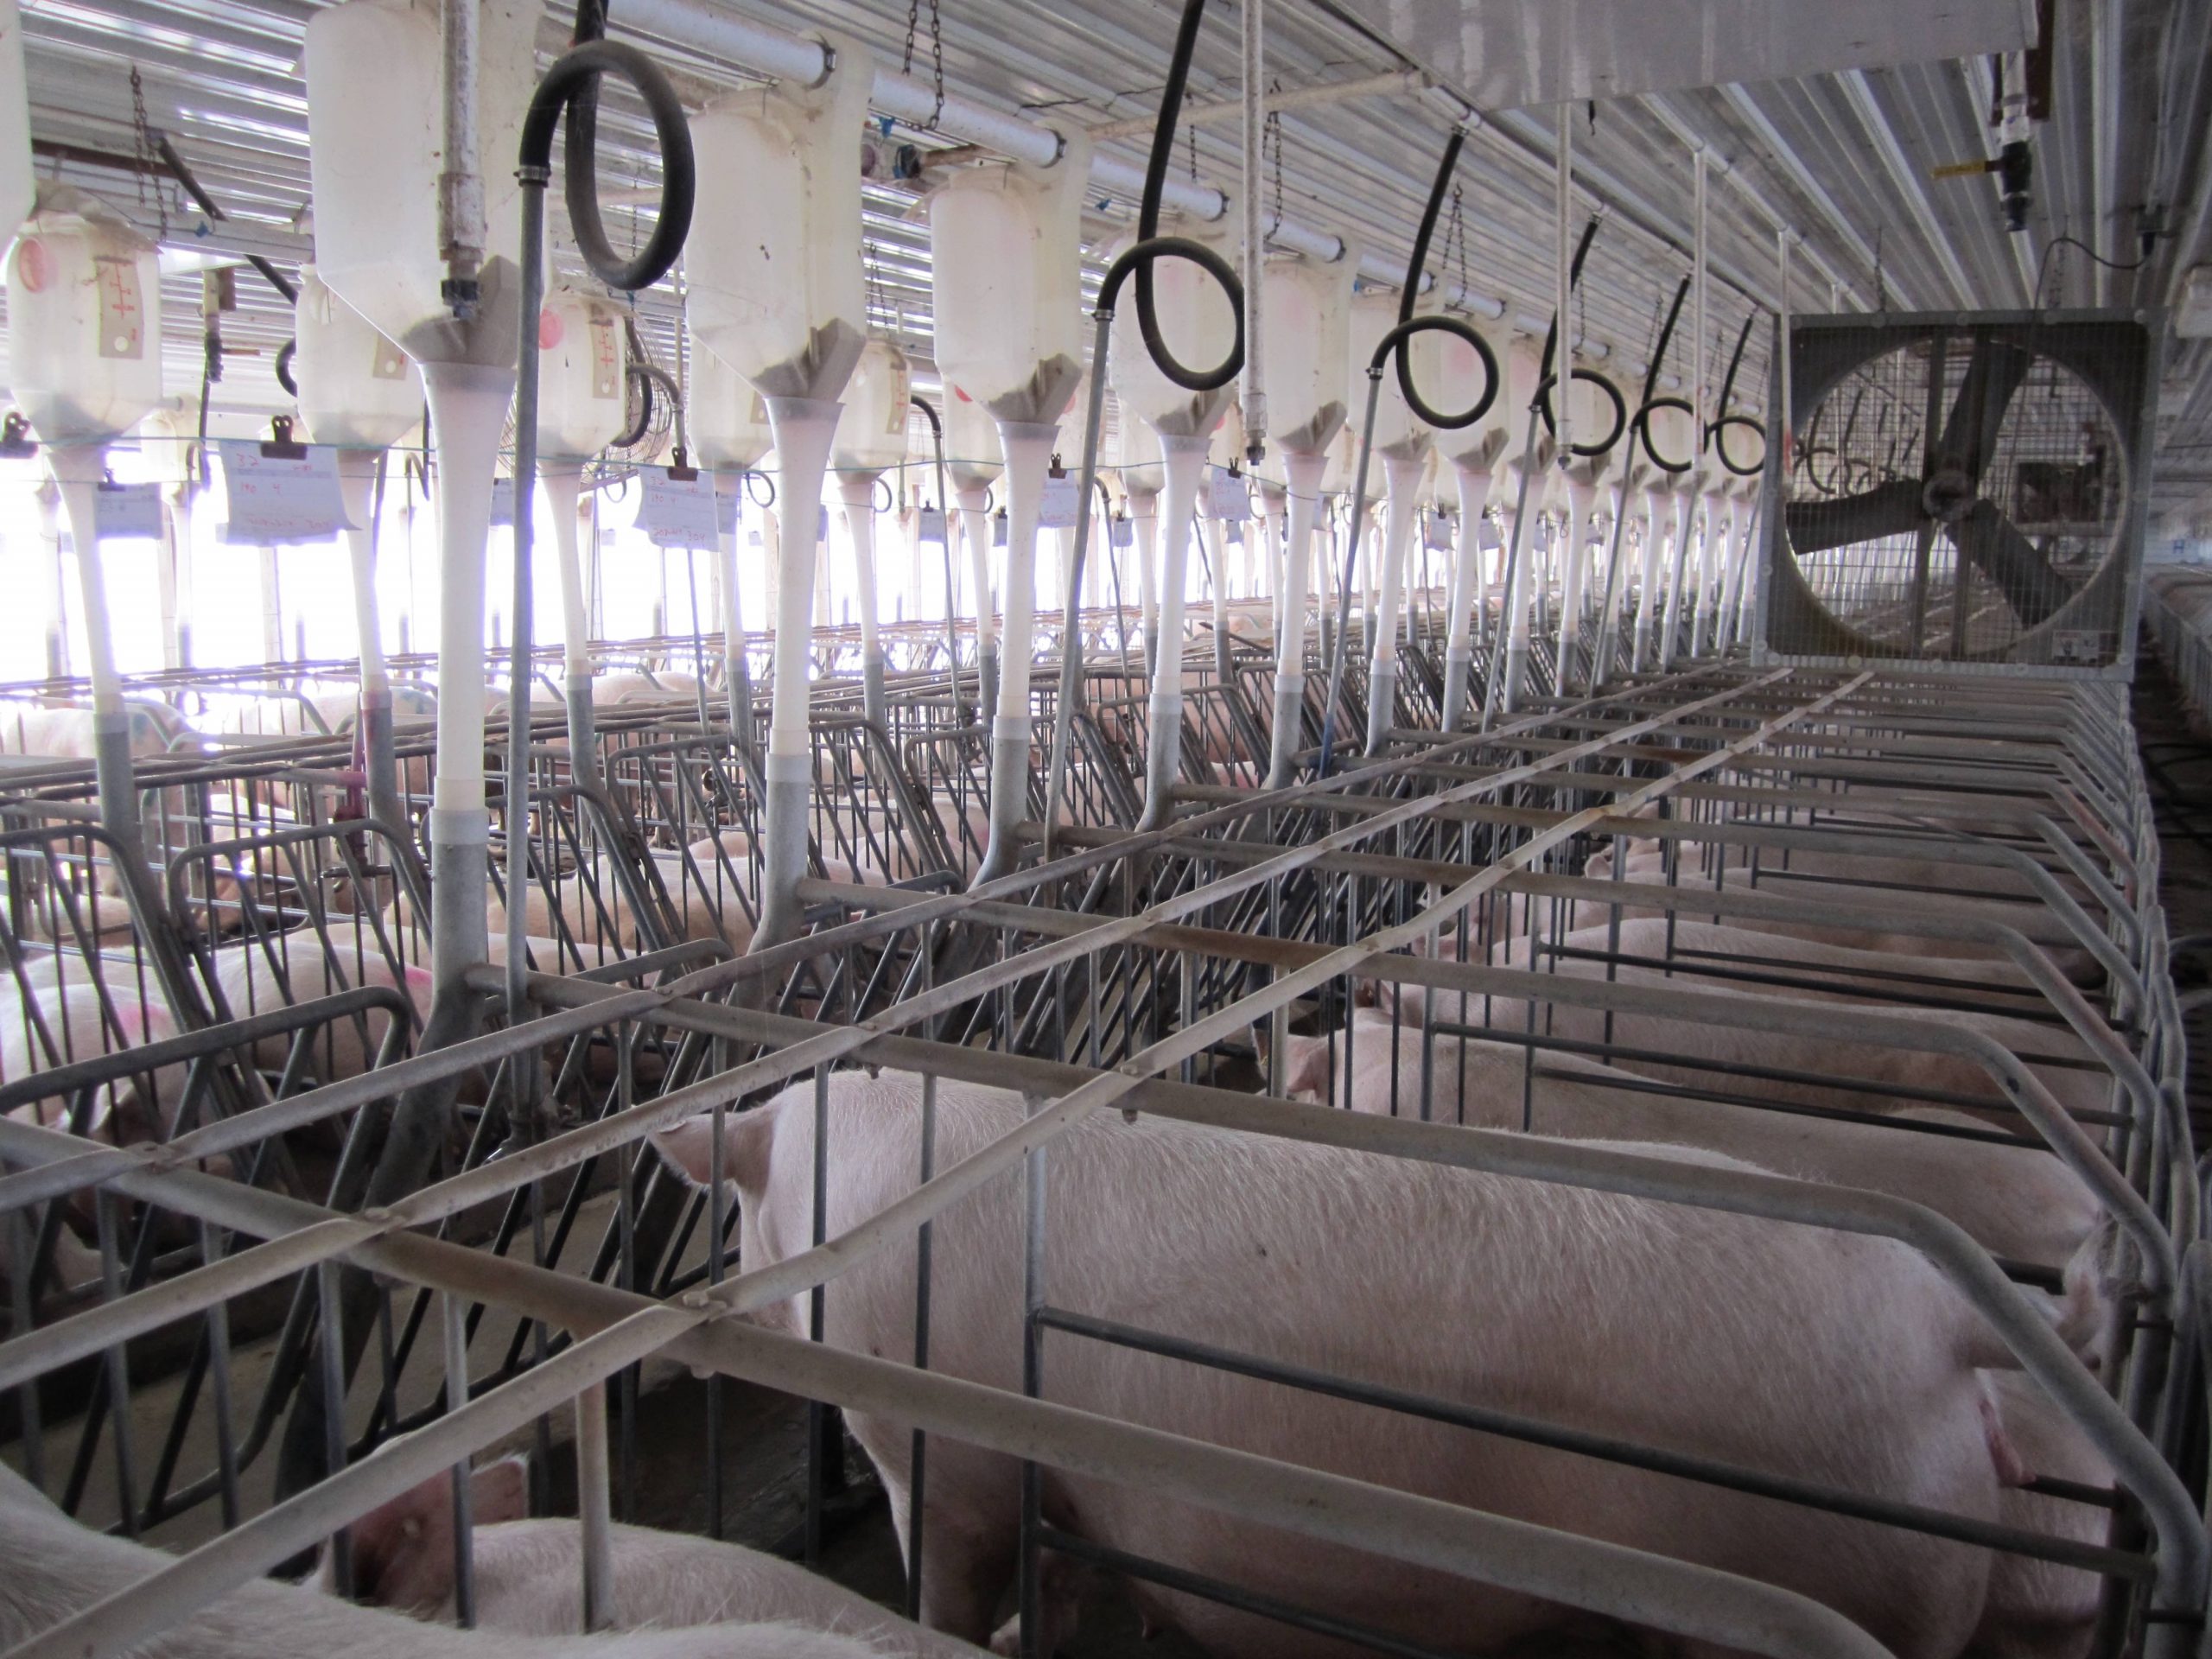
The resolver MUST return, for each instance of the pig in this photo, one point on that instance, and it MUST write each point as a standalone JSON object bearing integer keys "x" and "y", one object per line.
{"x": 529, "y": 1574}
{"x": 296, "y": 967}
{"x": 598, "y": 914}
{"x": 613, "y": 689}
{"x": 66, "y": 732}
{"x": 2039, "y": 1609}
{"x": 1973, "y": 890}
{"x": 1842, "y": 1055}
{"x": 60, "y": 1569}
{"x": 1844, "y": 1357}
{"x": 2020, "y": 1203}
{"x": 80, "y": 1024}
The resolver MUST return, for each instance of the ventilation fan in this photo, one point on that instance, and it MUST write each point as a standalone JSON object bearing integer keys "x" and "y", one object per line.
{"x": 1968, "y": 488}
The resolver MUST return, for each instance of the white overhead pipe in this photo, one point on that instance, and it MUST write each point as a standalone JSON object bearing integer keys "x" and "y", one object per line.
{"x": 718, "y": 33}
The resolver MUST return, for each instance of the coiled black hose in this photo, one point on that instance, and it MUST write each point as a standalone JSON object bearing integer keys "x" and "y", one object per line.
{"x": 1640, "y": 428}
{"x": 1550, "y": 377}
{"x": 1151, "y": 246}
{"x": 1399, "y": 340}
{"x": 285, "y": 353}
{"x": 1725, "y": 420}
{"x": 571, "y": 87}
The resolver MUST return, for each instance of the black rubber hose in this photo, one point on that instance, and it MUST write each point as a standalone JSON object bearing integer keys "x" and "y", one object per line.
{"x": 1728, "y": 394}
{"x": 1138, "y": 261}
{"x": 576, "y": 77}
{"x": 1574, "y": 280}
{"x": 1551, "y": 351}
{"x": 1643, "y": 434}
{"x": 1155, "y": 182}
{"x": 644, "y": 423}
{"x": 1640, "y": 428}
{"x": 1666, "y": 339}
{"x": 285, "y": 353}
{"x": 1402, "y": 336}
{"x": 1720, "y": 444}
{"x": 1612, "y": 395}
{"x": 1395, "y": 343}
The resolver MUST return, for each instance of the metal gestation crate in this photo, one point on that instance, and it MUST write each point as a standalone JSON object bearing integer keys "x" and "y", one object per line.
{"x": 519, "y": 1285}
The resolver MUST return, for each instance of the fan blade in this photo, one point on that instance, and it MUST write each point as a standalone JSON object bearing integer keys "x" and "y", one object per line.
{"x": 1891, "y": 509}
{"x": 1986, "y": 539}
{"x": 1994, "y": 374}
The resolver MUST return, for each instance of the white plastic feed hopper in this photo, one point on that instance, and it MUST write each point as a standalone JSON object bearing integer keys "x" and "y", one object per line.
{"x": 1006, "y": 246}
{"x": 774, "y": 273}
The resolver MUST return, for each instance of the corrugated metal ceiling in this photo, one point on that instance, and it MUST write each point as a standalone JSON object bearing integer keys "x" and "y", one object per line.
{"x": 1846, "y": 160}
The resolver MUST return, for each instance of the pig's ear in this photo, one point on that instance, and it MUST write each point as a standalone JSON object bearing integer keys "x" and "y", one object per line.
{"x": 499, "y": 1491}
{"x": 746, "y": 1137}
{"x": 402, "y": 1551}
{"x": 1305, "y": 1068}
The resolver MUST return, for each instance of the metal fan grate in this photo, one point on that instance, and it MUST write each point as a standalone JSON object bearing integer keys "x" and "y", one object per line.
{"x": 1959, "y": 492}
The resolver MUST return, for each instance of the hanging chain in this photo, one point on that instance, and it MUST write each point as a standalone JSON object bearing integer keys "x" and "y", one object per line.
{"x": 937, "y": 62}
{"x": 937, "y": 52}
{"x": 1271, "y": 145}
{"x": 1455, "y": 240}
{"x": 149, "y": 156}
{"x": 872, "y": 268}
{"x": 1190, "y": 132}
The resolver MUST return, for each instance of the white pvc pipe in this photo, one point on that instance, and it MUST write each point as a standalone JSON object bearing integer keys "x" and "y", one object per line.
{"x": 1469, "y": 593}
{"x": 1185, "y": 463}
{"x": 1401, "y": 483}
{"x": 1573, "y": 562}
{"x": 1710, "y": 564}
{"x": 1658, "y": 526}
{"x": 1217, "y": 559}
{"x": 356, "y": 486}
{"x": 77, "y": 470}
{"x": 1517, "y": 602}
{"x": 272, "y": 608}
{"x": 1028, "y": 453}
{"x": 468, "y": 410}
{"x": 803, "y": 439}
{"x": 564, "y": 485}
{"x": 47, "y": 497}
{"x": 857, "y": 490}
{"x": 730, "y": 601}
{"x": 1303, "y": 470}
{"x": 166, "y": 558}
{"x": 1144, "y": 535}
{"x": 975, "y": 534}
{"x": 1680, "y": 575}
